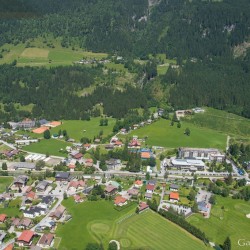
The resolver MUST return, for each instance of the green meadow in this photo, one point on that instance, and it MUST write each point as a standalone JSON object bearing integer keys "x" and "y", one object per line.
{"x": 39, "y": 54}
{"x": 160, "y": 133}
{"x": 228, "y": 218}
{"x": 228, "y": 123}
{"x": 5, "y": 182}
{"x": 51, "y": 147}
{"x": 77, "y": 129}
{"x": 100, "y": 222}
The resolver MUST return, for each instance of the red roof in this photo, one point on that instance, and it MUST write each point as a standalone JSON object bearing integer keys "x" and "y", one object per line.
{"x": 89, "y": 160}
{"x": 119, "y": 199}
{"x": 145, "y": 155}
{"x": 3, "y": 217}
{"x": 78, "y": 156}
{"x": 174, "y": 195}
{"x": 72, "y": 166}
{"x": 118, "y": 143}
{"x": 143, "y": 205}
{"x": 31, "y": 195}
{"x": 26, "y": 236}
{"x": 150, "y": 187}
{"x": 77, "y": 197}
{"x": 138, "y": 182}
{"x": 9, "y": 247}
{"x": 86, "y": 145}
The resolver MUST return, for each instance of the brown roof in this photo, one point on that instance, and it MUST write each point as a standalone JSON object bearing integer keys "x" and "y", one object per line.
{"x": 58, "y": 212}
{"x": 46, "y": 239}
{"x": 133, "y": 191}
{"x": 110, "y": 188}
{"x": 25, "y": 222}
{"x": 15, "y": 222}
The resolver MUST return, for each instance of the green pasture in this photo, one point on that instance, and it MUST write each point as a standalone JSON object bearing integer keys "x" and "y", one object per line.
{"x": 160, "y": 133}
{"x": 228, "y": 218}
{"x": 228, "y": 123}
{"x": 51, "y": 146}
{"x": 100, "y": 222}
{"x": 77, "y": 129}
{"x": 5, "y": 182}
{"x": 39, "y": 54}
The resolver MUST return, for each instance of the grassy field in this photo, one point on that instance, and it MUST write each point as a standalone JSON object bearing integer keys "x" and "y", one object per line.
{"x": 230, "y": 124}
{"x": 5, "y": 181}
{"x": 230, "y": 221}
{"x": 51, "y": 146}
{"x": 13, "y": 208}
{"x": 42, "y": 55}
{"x": 162, "y": 134}
{"x": 77, "y": 129}
{"x": 100, "y": 222}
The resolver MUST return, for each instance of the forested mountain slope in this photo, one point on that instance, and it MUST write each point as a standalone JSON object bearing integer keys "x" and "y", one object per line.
{"x": 200, "y": 35}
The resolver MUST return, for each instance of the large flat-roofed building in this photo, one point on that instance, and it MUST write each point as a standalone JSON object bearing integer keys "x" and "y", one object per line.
{"x": 187, "y": 164}
{"x": 201, "y": 153}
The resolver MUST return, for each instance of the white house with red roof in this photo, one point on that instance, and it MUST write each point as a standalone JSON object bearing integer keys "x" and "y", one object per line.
{"x": 120, "y": 201}
{"x": 25, "y": 239}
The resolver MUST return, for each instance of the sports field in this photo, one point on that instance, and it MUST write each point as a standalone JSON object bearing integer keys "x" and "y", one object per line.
{"x": 77, "y": 129}
{"x": 230, "y": 221}
{"x": 100, "y": 222}
{"x": 5, "y": 182}
{"x": 51, "y": 146}
{"x": 160, "y": 133}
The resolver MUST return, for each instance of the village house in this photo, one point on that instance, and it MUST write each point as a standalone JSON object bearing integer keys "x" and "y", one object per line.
{"x": 76, "y": 185}
{"x": 133, "y": 192}
{"x": 25, "y": 239}
{"x": 27, "y": 124}
{"x": 3, "y": 218}
{"x": 9, "y": 247}
{"x": 62, "y": 176}
{"x": 46, "y": 202}
{"x": 110, "y": 190}
{"x": 118, "y": 144}
{"x": 24, "y": 223}
{"x": 46, "y": 241}
{"x": 138, "y": 184}
{"x": 120, "y": 201}
{"x": 20, "y": 181}
{"x": 150, "y": 188}
{"x": 78, "y": 198}
{"x": 30, "y": 197}
{"x": 203, "y": 207}
{"x": 123, "y": 131}
{"x": 87, "y": 146}
{"x": 89, "y": 162}
{"x": 113, "y": 164}
{"x": 174, "y": 187}
{"x": 42, "y": 186}
{"x": 174, "y": 197}
{"x": 109, "y": 146}
{"x": 143, "y": 206}
{"x": 58, "y": 213}
{"x": 34, "y": 212}
{"x": 72, "y": 167}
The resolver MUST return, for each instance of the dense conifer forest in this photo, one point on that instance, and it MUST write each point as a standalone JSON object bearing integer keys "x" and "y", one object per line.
{"x": 200, "y": 35}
